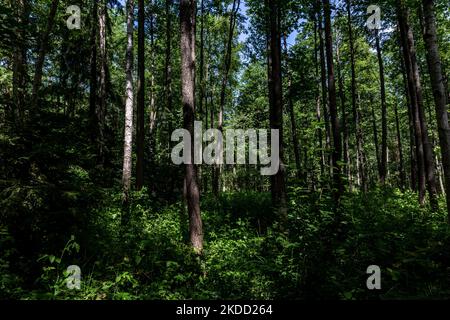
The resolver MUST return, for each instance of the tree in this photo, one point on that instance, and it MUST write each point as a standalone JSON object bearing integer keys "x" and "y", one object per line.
{"x": 140, "y": 132}
{"x": 337, "y": 144}
{"x": 187, "y": 24}
{"x": 437, "y": 83}
{"x": 128, "y": 136}
{"x": 383, "y": 162}
{"x": 424, "y": 154}
{"x": 278, "y": 186}
{"x": 355, "y": 110}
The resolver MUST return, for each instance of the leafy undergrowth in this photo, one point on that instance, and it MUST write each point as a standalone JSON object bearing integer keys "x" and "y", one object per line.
{"x": 244, "y": 257}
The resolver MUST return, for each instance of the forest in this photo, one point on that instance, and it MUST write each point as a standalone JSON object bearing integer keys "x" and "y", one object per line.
{"x": 120, "y": 177}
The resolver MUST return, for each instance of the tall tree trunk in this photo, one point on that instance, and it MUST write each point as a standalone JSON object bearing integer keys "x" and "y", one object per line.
{"x": 101, "y": 112}
{"x": 93, "y": 80}
{"x": 427, "y": 147}
{"x": 355, "y": 109}
{"x": 168, "y": 70}
{"x": 278, "y": 186}
{"x": 383, "y": 162}
{"x": 140, "y": 132}
{"x": 226, "y": 73}
{"x": 375, "y": 139}
{"x": 43, "y": 47}
{"x": 318, "y": 95}
{"x": 187, "y": 24}
{"x": 128, "y": 136}
{"x": 438, "y": 86}
{"x": 346, "y": 155}
{"x": 290, "y": 105}
{"x": 400, "y": 149}
{"x": 323, "y": 79}
{"x": 337, "y": 145}
{"x": 404, "y": 30}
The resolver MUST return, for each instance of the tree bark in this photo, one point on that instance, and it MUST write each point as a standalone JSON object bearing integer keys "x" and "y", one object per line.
{"x": 383, "y": 162}
{"x": 187, "y": 24}
{"x": 355, "y": 109}
{"x": 323, "y": 78}
{"x": 278, "y": 186}
{"x": 93, "y": 81}
{"x": 404, "y": 33}
{"x": 128, "y": 136}
{"x": 438, "y": 86}
{"x": 101, "y": 111}
{"x": 290, "y": 105}
{"x": 346, "y": 155}
{"x": 337, "y": 145}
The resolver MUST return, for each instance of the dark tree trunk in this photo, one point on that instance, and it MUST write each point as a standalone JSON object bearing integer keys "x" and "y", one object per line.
{"x": 346, "y": 155}
{"x": 318, "y": 95}
{"x": 278, "y": 187}
{"x": 337, "y": 145}
{"x": 383, "y": 162}
{"x": 93, "y": 81}
{"x": 290, "y": 104}
{"x": 323, "y": 79}
{"x": 438, "y": 86}
{"x": 187, "y": 24}
{"x": 140, "y": 132}
{"x": 418, "y": 141}
{"x": 400, "y": 149}
{"x": 355, "y": 109}
{"x": 429, "y": 164}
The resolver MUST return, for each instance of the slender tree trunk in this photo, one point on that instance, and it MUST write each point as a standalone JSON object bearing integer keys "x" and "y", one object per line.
{"x": 427, "y": 147}
{"x": 153, "y": 111}
{"x": 128, "y": 135}
{"x": 404, "y": 30}
{"x": 278, "y": 187}
{"x": 346, "y": 155}
{"x": 168, "y": 70}
{"x": 295, "y": 139}
{"x": 93, "y": 81}
{"x": 318, "y": 96}
{"x": 227, "y": 66}
{"x": 400, "y": 149}
{"x": 187, "y": 24}
{"x": 375, "y": 138}
{"x": 355, "y": 109}
{"x": 101, "y": 111}
{"x": 383, "y": 162}
{"x": 337, "y": 145}
{"x": 43, "y": 47}
{"x": 438, "y": 86}
{"x": 323, "y": 78}
{"x": 140, "y": 132}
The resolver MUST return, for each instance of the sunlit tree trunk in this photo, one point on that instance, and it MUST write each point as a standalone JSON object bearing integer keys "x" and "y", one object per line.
{"x": 128, "y": 135}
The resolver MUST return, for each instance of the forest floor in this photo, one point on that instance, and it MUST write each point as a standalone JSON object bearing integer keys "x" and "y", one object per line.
{"x": 244, "y": 257}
